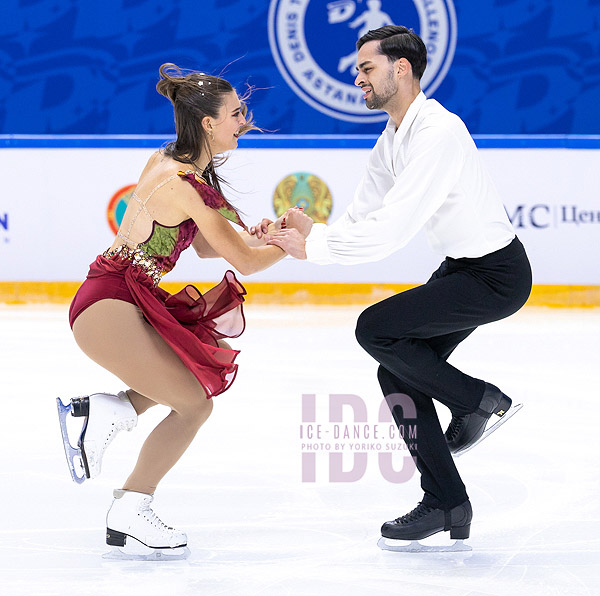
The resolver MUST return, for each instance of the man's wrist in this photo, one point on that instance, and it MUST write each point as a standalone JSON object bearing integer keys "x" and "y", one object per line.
{"x": 316, "y": 246}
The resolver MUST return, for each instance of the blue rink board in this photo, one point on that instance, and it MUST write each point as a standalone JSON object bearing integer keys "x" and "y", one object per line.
{"x": 289, "y": 141}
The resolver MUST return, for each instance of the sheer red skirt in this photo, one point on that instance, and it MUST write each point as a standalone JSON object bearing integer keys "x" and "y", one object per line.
{"x": 189, "y": 322}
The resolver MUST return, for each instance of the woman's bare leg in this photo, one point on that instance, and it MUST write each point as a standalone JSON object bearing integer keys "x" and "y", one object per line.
{"x": 114, "y": 334}
{"x": 140, "y": 402}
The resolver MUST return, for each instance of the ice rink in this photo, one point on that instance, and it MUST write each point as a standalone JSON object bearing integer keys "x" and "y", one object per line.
{"x": 254, "y": 527}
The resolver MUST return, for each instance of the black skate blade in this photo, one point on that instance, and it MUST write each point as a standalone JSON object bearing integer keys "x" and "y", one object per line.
{"x": 80, "y": 406}
{"x": 414, "y": 546}
{"x": 488, "y": 431}
{"x": 81, "y": 445}
{"x": 73, "y": 455}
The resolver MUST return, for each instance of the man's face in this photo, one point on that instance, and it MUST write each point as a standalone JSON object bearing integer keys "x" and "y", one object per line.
{"x": 375, "y": 76}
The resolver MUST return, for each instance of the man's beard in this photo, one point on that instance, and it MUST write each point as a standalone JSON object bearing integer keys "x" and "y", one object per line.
{"x": 376, "y": 101}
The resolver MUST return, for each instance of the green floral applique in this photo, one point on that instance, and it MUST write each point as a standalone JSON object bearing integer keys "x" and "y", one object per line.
{"x": 162, "y": 242}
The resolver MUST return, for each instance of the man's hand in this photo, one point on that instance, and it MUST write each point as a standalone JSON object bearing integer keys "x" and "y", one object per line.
{"x": 296, "y": 218}
{"x": 290, "y": 240}
{"x": 292, "y": 218}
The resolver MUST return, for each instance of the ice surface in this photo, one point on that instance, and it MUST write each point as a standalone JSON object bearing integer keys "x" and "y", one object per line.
{"x": 254, "y": 527}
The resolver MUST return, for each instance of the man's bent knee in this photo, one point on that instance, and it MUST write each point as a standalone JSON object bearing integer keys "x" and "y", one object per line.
{"x": 365, "y": 326}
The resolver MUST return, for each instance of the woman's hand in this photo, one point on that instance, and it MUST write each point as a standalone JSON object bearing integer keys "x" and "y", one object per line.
{"x": 262, "y": 228}
{"x": 291, "y": 240}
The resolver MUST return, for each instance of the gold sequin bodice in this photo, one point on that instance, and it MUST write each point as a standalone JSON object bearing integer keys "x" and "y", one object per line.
{"x": 148, "y": 264}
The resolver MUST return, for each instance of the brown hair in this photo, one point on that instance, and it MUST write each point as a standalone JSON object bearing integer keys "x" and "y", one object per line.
{"x": 195, "y": 95}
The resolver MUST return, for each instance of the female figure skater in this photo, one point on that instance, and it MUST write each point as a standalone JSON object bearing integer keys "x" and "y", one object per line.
{"x": 168, "y": 349}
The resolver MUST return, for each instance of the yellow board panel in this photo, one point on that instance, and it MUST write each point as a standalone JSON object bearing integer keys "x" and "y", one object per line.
{"x": 31, "y": 292}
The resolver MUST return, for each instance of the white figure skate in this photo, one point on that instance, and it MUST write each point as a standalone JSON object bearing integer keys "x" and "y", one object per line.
{"x": 136, "y": 533}
{"x": 104, "y": 416}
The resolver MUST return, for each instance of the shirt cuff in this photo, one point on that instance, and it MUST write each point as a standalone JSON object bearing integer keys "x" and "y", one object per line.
{"x": 317, "y": 249}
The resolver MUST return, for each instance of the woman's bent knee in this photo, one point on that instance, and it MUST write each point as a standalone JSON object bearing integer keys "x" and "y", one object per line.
{"x": 197, "y": 413}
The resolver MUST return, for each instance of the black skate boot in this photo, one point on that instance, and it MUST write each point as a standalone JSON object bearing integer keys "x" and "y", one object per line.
{"x": 424, "y": 521}
{"x": 403, "y": 534}
{"x": 464, "y": 432}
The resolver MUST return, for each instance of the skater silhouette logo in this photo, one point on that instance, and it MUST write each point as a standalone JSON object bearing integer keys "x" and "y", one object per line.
{"x": 313, "y": 43}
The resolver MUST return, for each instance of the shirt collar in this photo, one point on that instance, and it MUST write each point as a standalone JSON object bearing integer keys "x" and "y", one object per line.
{"x": 409, "y": 118}
{"x": 411, "y": 114}
{"x": 397, "y": 136}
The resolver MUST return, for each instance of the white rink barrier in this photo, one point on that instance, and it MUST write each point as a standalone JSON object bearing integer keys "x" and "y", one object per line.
{"x": 54, "y": 201}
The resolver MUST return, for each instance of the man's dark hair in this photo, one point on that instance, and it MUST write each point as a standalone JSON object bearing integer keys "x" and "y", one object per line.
{"x": 399, "y": 42}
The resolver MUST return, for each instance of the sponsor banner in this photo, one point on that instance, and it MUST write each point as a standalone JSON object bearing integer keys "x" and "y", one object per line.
{"x": 554, "y": 206}
{"x": 52, "y": 226}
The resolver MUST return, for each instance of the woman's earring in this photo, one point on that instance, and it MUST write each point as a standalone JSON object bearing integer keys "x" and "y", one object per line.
{"x": 212, "y": 135}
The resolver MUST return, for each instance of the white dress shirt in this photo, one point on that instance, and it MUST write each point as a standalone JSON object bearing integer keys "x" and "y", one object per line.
{"x": 429, "y": 174}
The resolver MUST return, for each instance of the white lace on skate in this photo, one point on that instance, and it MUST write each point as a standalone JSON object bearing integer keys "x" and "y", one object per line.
{"x": 163, "y": 534}
{"x": 135, "y": 532}
{"x": 109, "y": 414}
{"x": 94, "y": 456}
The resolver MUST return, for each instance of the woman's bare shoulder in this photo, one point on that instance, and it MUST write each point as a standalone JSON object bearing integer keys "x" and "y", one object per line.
{"x": 159, "y": 168}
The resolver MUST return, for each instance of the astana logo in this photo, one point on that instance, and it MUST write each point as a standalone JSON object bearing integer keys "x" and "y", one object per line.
{"x": 314, "y": 46}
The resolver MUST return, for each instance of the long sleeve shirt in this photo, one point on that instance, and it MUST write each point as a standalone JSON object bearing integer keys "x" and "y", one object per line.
{"x": 427, "y": 173}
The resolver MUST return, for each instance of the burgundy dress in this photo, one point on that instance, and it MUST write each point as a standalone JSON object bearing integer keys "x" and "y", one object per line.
{"x": 189, "y": 322}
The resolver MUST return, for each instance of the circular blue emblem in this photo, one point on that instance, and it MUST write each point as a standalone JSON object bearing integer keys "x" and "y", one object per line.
{"x": 314, "y": 46}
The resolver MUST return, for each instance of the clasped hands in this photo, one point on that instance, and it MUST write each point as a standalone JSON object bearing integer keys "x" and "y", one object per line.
{"x": 288, "y": 232}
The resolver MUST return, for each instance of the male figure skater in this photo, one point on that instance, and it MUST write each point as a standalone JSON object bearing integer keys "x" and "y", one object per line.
{"x": 425, "y": 171}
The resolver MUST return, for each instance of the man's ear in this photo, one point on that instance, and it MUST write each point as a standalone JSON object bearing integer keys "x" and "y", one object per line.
{"x": 402, "y": 67}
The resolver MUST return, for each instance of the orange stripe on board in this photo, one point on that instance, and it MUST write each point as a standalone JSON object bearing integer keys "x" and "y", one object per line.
{"x": 295, "y": 293}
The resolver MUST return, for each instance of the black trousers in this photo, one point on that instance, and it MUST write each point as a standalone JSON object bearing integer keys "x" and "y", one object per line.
{"x": 412, "y": 335}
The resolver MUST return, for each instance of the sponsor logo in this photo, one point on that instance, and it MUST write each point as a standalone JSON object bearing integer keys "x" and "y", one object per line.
{"x": 541, "y": 216}
{"x": 117, "y": 206}
{"x": 313, "y": 43}
{"x": 4, "y": 227}
{"x": 305, "y": 190}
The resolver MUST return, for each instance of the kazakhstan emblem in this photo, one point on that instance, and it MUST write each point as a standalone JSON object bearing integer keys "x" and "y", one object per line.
{"x": 303, "y": 190}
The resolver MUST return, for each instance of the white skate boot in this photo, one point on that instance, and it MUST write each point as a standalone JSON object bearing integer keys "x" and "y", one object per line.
{"x": 105, "y": 415}
{"x": 136, "y": 532}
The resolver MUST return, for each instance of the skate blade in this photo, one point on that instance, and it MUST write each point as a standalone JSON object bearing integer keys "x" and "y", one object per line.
{"x": 488, "y": 431}
{"x": 73, "y": 454}
{"x": 136, "y": 551}
{"x": 405, "y": 546}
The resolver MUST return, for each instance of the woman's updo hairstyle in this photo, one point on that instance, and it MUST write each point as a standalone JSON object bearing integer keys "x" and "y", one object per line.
{"x": 195, "y": 95}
